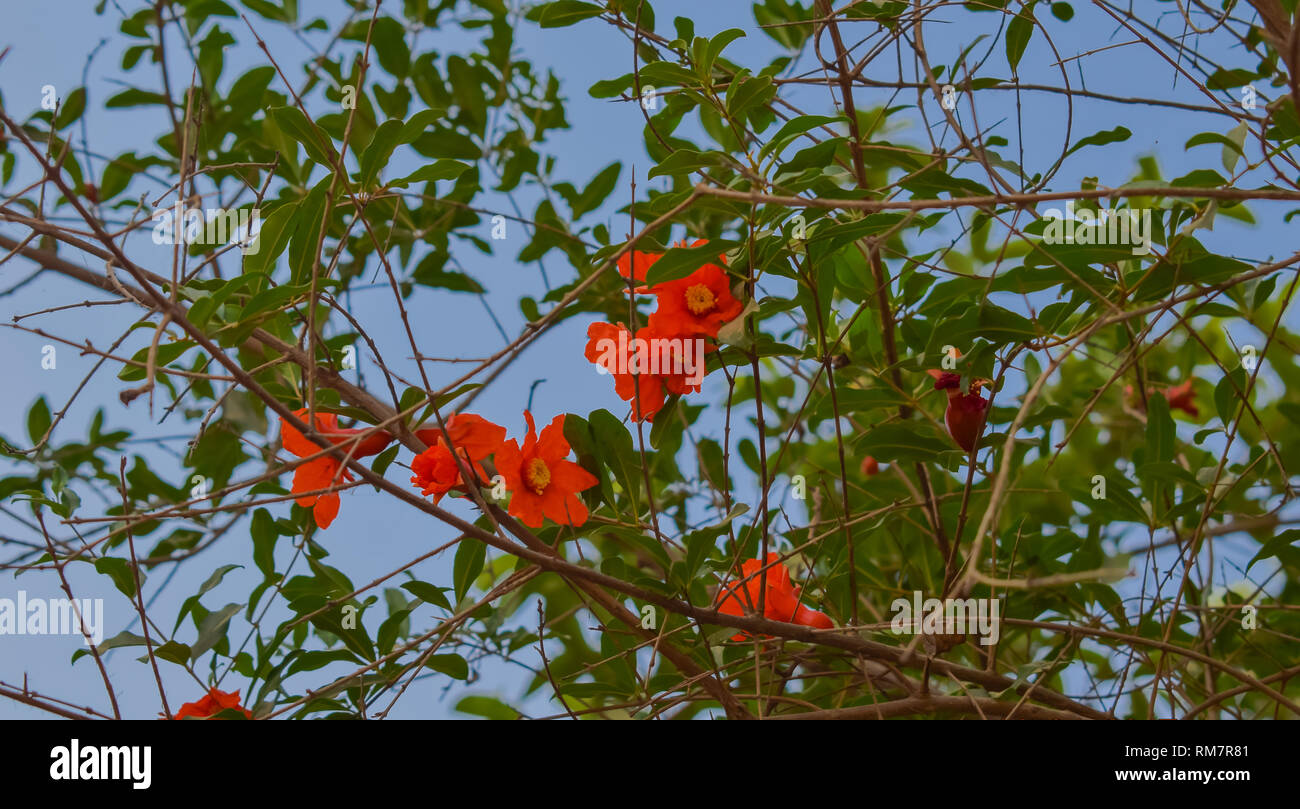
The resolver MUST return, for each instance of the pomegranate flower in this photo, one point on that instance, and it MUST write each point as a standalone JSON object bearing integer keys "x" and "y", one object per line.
{"x": 695, "y": 306}
{"x": 646, "y": 364}
{"x": 543, "y": 482}
{"x": 965, "y": 412}
{"x": 436, "y": 470}
{"x": 645, "y": 391}
{"x": 212, "y": 704}
{"x": 1180, "y": 397}
{"x": 326, "y": 471}
{"x": 781, "y": 603}
{"x": 635, "y": 265}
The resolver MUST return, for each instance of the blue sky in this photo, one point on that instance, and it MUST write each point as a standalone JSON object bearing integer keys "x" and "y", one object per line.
{"x": 370, "y": 539}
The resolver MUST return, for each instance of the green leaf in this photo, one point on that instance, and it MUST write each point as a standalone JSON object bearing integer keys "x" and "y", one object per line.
{"x": 487, "y": 707}
{"x": 701, "y": 543}
{"x": 429, "y": 593}
{"x": 380, "y": 149}
{"x": 212, "y": 629}
{"x": 1282, "y": 546}
{"x": 121, "y": 571}
{"x": 174, "y": 652}
{"x": 598, "y": 189}
{"x": 989, "y": 321}
{"x": 264, "y": 534}
{"x": 1226, "y": 79}
{"x": 453, "y": 666}
{"x": 391, "y": 628}
{"x": 438, "y": 170}
{"x": 467, "y": 565}
{"x": 384, "y": 459}
{"x": 1117, "y": 491}
{"x": 271, "y": 240}
{"x": 793, "y": 129}
{"x": 1233, "y": 150}
{"x": 1160, "y": 430}
{"x": 388, "y": 39}
{"x": 1160, "y": 437}
{"x": 1291, "y": 410}
{"x": 427, "y": 275}
{"x": 912, "y": 441}
{"x": 617, "y": 451}
{"x": 134, "y": 97}
{"x": 71, "y": 108}
{"x": 1226, "y": 395}
{"x": 563, "y": 12}
{"x": 708, "y": 54}
{"x": 1167, "y": 471}
{"x": 120, "y": 639}
{"x": 167, "y": 353}
{"x": 1106, "y": 136}
{"x": 746, "y": 93}
{"x": 684, "y": 161}
{"x": 295, "y": 124}
{"x": 38, "y": 420}
{"x": 1018, "y": 34}
{"x": 680, "y": 262}
{"x": 418, "y": 124}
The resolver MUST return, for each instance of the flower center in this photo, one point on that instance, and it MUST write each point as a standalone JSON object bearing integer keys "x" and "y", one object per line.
{"x": 538, "y": 476}
{"x": 700, "y": 299}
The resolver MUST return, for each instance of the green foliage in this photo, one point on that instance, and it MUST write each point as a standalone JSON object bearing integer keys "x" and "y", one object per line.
{"x": 869, "y": 245}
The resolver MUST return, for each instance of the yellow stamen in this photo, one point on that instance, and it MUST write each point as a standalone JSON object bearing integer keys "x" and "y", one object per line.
{"x": 538, "y": 476}
{"x": 700, "y": 299}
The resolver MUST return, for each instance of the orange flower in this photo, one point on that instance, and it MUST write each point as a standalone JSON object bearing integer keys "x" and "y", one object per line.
{"x": 870, "y": 467}
{"x": 695, "y": 306}
{"x": 965, "y": 413}
{"x": 474, "y": 434}
{"x": 635, "y": 265}
{"x": 436, "y": 470}
{"x": 326, "y": 471}
{"x": 212, "y": 704}
{"x": 645, "y": 364}
{"x": 644, "y": 391}
{"x": 781, "y": 603}
{"x": 543, "y": 482}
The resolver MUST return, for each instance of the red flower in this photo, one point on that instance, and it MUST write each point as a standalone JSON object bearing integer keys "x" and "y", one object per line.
{"x": 1180, "y": 397}
{"x": 611, "y": 347}
{"x": 965, "y": 412}
{"x": 645, "y": 364}
{"x": 543, "y": 481}
{"x": 870, "y": 467}
{"x": 781, "y": 603}
{"x": 474, "y": 434}
{"x": 635, "y": 264}
{"x": 436, "y": 470}
{"x": 326, "y": 471}
{"x": 695, "y": 306}
{"x": 214, "y": 703}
